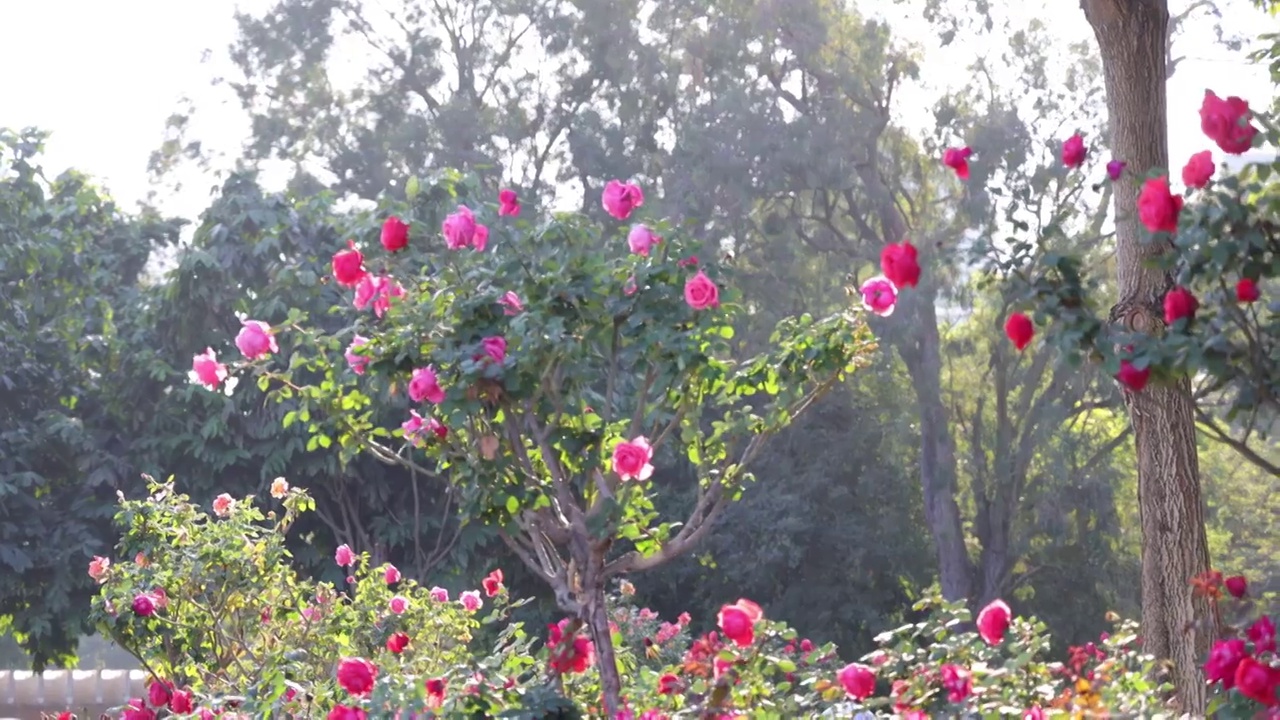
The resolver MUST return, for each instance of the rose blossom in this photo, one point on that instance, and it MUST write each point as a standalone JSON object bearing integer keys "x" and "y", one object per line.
{"x": 255, "y": 340}
{"x": 898, "y": 263}
{"x": 1073, "y": 151}
{"x": 700, "y": 292}
{"x": 439, "y": 594}
{"x": 424, "y": 385}
{"x": 356, "y": 675}
{"x": 510, "y": 303}
{"x": 619, "y": 198}
{"x": 461, "y": 230}
{"x": 631, "y": 460}
{"x": 738, "y": 621}
{"x": 471, "y": 600}
{"x": 1198, "y": 170}
{"x": 879, "y": 295}
{"x": 508, "y": 203}
{"x": 348, "y": 266}
{"x": 222, "y": 505}
{"x": 279, "y": 488}
{"x": 1019, "y": 330}
{"x": 492, "y": 584}
{"x": 859, "y": 681}
{"x": 398, "y": 605}
{"x": 98, "y": 568}
{"x": 391, "y": 574}
{"x": 958, "y": 159}
{"x": 207, "y": 370}
{"x": 356, "y": 361}
{"x": 993, "y": 620}
{"x": 1158, "y": 208}
{"x": 395, "y": 234}
{"x": 641, "y": 240}
{"x": 343, "y": 556}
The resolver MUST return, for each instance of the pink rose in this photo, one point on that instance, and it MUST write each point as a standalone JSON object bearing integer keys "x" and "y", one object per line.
{"x": 391, "y": 574}
{"x": 701, "y": 293}
{"x": 1226, "y": 122}
{"x": 958, "y": 683}
{"x": 144, "y": 605}
{"x": 630, "y": 288}
{"x": 356, "y": 361}
{"x": 208, "y": 371}
{"x": 631, "y": 460}
{"x": 412, "y": 427}
{"x": 993, "y": 620}
{"x": 879, "y": 296}
{"x": 495, "y": 347}
{"x": 255, "y": 339}
{"x": 859, "y": 681}
{"x": 98, "y": 568}
{"x": 641, "y": 240}
{"x": 356, "y": 675}
{"x": 958, "y": 159}
{"x": 1263, "y": 635}
{"x": 439, "y": 594}
{"x": 389, "y": 289}
{"x": 377, "y": 291}
{"x": 395, "y": 234}
{"x": 424, "y": 385}
{"x": 348, "y": 265}
{"x": 137, "y": 710}
{"x": 1198, "y": 170}
{"x": 1158, "y": 208}
{"x": 461, "y": 230}
{"x": 471, "y": 600}
{"x": 1115, "y": 169}
{"x": 1073, "y": 151}
{"x": 738, "y": 621}
{"x": 619, "y": 198}
{"x": 398, "y": 605}
{"x": 222, "y": 505}
{"x": 343, "y": 556}
{"x": 510, "y": 303}
{"x": 342, "y": 712}
{"x": 508, "y": 203}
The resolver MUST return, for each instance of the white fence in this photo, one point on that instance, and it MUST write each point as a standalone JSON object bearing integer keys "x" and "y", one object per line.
{"x": 24, "y": 694}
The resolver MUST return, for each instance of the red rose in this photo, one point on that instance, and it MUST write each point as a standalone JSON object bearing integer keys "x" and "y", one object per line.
{"x": 1226, "y": 122}
{"x": 397, "y": 643}
{"x": 1179, "y": 303}
{"x": 738, "y": 621}
{"x": 395, "y": 234}
{"x": 342, "y": 712}
{"x": 356, "y": 675}
{"x": 181, "y": 702}
{"x": 1198, "y": 170}
{"x": 1263, "y": 635}
{"x": 348, "y": 265}
{"x": 898, "y": 263}
{"x": 958, "y": 159}
{"x": 993, "y": 620}
{"x": 493, "y": 583}
{"x": 668, "y": 684}
{"x": 158, "y": 693}
{"x": 1236, "y": 585}
{"x": 859, "y": 681}
{"x": 1247, "y": 291}
{"x": 1019, "y": 330}
{"x": 1158, "y": 208}
{"x": 1131, "y": 377}
{"x": 1073, "y": 151}
{"x": 1222, "y": 662}
{"x": 1257, "y": 681}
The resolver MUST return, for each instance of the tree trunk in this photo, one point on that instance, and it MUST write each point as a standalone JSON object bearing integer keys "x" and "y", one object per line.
{"x": 595, "y": 614}
{"x": 1131, "y": 38}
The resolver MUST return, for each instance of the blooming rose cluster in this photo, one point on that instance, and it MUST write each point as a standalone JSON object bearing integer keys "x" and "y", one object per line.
{"x": 1227, "y": 122}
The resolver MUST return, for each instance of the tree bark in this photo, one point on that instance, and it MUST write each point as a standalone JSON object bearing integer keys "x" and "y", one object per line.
{"x": 595, "y": 614}
{"x": 1175, "y": 626}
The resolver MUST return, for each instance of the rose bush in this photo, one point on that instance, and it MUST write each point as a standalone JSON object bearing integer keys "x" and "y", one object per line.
{"x": 544, "y": 367}
{"x": 211, "y": 609}
{"x": 1219, "y": 319}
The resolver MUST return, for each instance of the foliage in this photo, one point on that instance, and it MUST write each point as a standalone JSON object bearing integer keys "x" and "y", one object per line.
{"x": 70, "y": 263}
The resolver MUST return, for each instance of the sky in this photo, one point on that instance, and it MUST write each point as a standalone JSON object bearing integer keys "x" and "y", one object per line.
{"x": 118, "y": 69}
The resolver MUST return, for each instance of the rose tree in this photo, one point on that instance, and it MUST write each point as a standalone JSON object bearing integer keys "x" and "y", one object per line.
{"x": 548, "y": 367}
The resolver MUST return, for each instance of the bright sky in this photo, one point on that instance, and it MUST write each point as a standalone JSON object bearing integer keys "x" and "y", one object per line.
{"x": 104, "y": 76}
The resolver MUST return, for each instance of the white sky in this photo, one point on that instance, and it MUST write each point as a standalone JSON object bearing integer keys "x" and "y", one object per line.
{"x": 103, "y": 76}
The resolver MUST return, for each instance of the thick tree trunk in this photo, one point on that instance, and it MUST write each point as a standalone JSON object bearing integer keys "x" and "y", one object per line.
{"x": 1131, "y": 38}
